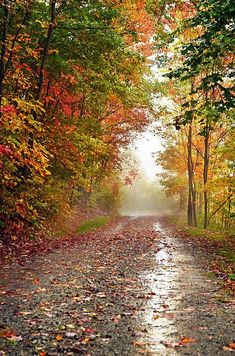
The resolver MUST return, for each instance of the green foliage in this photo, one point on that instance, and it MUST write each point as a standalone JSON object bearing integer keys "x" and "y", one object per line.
{"x": 208, "y": 58}
{"x": 72, "y": 89}
{"x": 107, "y": 195}
{"x": 228, "y": 254}
{"x": 93, "y": 224}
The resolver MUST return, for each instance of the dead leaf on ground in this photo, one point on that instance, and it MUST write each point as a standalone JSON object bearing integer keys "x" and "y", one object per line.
{"x": 23, "y": 313}
{"x": 155, "y": 317}
{"x": 187, "y": 340}
{"x": 230, "y": 347}
{"x": 200, "y": 328}
{"x": 88, "y": 330}
{"x": 139, "y": 343}
{"x": 70, "y": 326}
{"x": 101, "y": 295}
{"x": 171, "y": 345}
{"x": 85, "y": 340}
{"x": 69, "y": 334}
{"x": 36, "y": 280}
{"x": 117, "y": 318}
{"x": 10, "y": 335}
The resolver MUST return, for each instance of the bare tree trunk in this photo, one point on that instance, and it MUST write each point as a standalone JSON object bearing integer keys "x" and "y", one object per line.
{"x": 181, "y": 201}
{"x": 229, "y": 207}
{"x": 228, "y": 199}
{"x": 191, "y": 191}
{"x": 205, "y": 174}
{"x": 194, "y": 202}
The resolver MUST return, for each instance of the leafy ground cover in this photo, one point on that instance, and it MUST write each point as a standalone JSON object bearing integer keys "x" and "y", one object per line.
{"x": 217, "y": 246}
{"x": 54, "y": 233}
{"x": 128, "y": 288}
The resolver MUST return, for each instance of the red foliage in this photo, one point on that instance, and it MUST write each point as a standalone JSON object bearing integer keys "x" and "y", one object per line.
{"x": 5, "y": 150}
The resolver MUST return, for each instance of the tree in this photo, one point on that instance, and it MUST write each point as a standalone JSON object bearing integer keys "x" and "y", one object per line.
{"x": 72, "y": 90}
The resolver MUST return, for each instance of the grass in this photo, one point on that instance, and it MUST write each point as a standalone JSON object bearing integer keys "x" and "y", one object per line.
{"x": 209, "y": 234}
{"x": 213, "y": 233}
{"x": 222, "y": 240}
{"x": 93, "y": 224}
{"x": 227, "y": 254}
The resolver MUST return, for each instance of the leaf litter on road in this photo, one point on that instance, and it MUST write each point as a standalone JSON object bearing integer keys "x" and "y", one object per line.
{"x": 95, "y": 297}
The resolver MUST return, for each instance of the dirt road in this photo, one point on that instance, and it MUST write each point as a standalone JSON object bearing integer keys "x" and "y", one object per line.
{"x": 127, "y": 289}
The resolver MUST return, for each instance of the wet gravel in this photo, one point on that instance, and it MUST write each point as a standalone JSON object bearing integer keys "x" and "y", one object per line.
{"x": 126, "y": 289}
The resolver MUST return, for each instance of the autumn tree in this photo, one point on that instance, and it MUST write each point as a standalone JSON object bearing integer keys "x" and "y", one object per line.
{"x": 197, "y": 58}
{"x": 72, "y": 90}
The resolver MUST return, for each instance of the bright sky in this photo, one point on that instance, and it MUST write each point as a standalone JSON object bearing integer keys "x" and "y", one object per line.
{"x": 143, "y": 149}
{"x": 147, "y": 143}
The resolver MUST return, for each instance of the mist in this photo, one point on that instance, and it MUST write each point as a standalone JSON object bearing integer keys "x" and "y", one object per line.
{"x": 143, "y": 197}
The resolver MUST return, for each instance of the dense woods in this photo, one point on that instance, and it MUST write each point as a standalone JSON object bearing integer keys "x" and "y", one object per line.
{"x": 72, "y": 89}
{"x": 197, "y": 54}
{"x": 75, "y": 85}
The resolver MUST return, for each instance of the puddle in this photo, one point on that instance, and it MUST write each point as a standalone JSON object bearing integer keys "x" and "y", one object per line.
{"x": 158, "y": 316}
{"x": 178, "y": 305}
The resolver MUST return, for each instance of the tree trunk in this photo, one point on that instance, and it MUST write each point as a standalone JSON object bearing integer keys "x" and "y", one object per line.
{"x": 229, "y": 208}
{"x": 46, "y": 48}
{"x": 194, "y": 202}
{"x": 191, "y": 191}
{"x": 205, "y": 175}
{"x": 181, "y": 201}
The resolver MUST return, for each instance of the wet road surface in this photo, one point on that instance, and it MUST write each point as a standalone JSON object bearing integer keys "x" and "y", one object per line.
{"x": 127, "y": 289}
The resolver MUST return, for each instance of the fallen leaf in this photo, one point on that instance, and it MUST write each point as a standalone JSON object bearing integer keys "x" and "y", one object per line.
{"x": 151, "y": 293}
{"x": 76, "y": 299}
{"x": 23, "y": 313}
{"x": 10, "y": 335}
{"x": 101, "y": 295}
{"x": 171, "y": 345}
{"x": 36, "y": 280}
{"x": 200, "y": 328}
{"x": 88, "y": 330}
{"x": 226, "y": 348}
{"x": 139, "y": 343}
{"x": 155, "y": 317}
{"x": 59, "y": 337}
{"x": 117, "y": 318}
{"x": 187, "y": 340}
{"x": 70, "y": 326}
{"x": 15, "y": 338}
{"x": 230, "y": 347}
{"x": 85, "y": 340}
{"x": 69, "y": 334}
